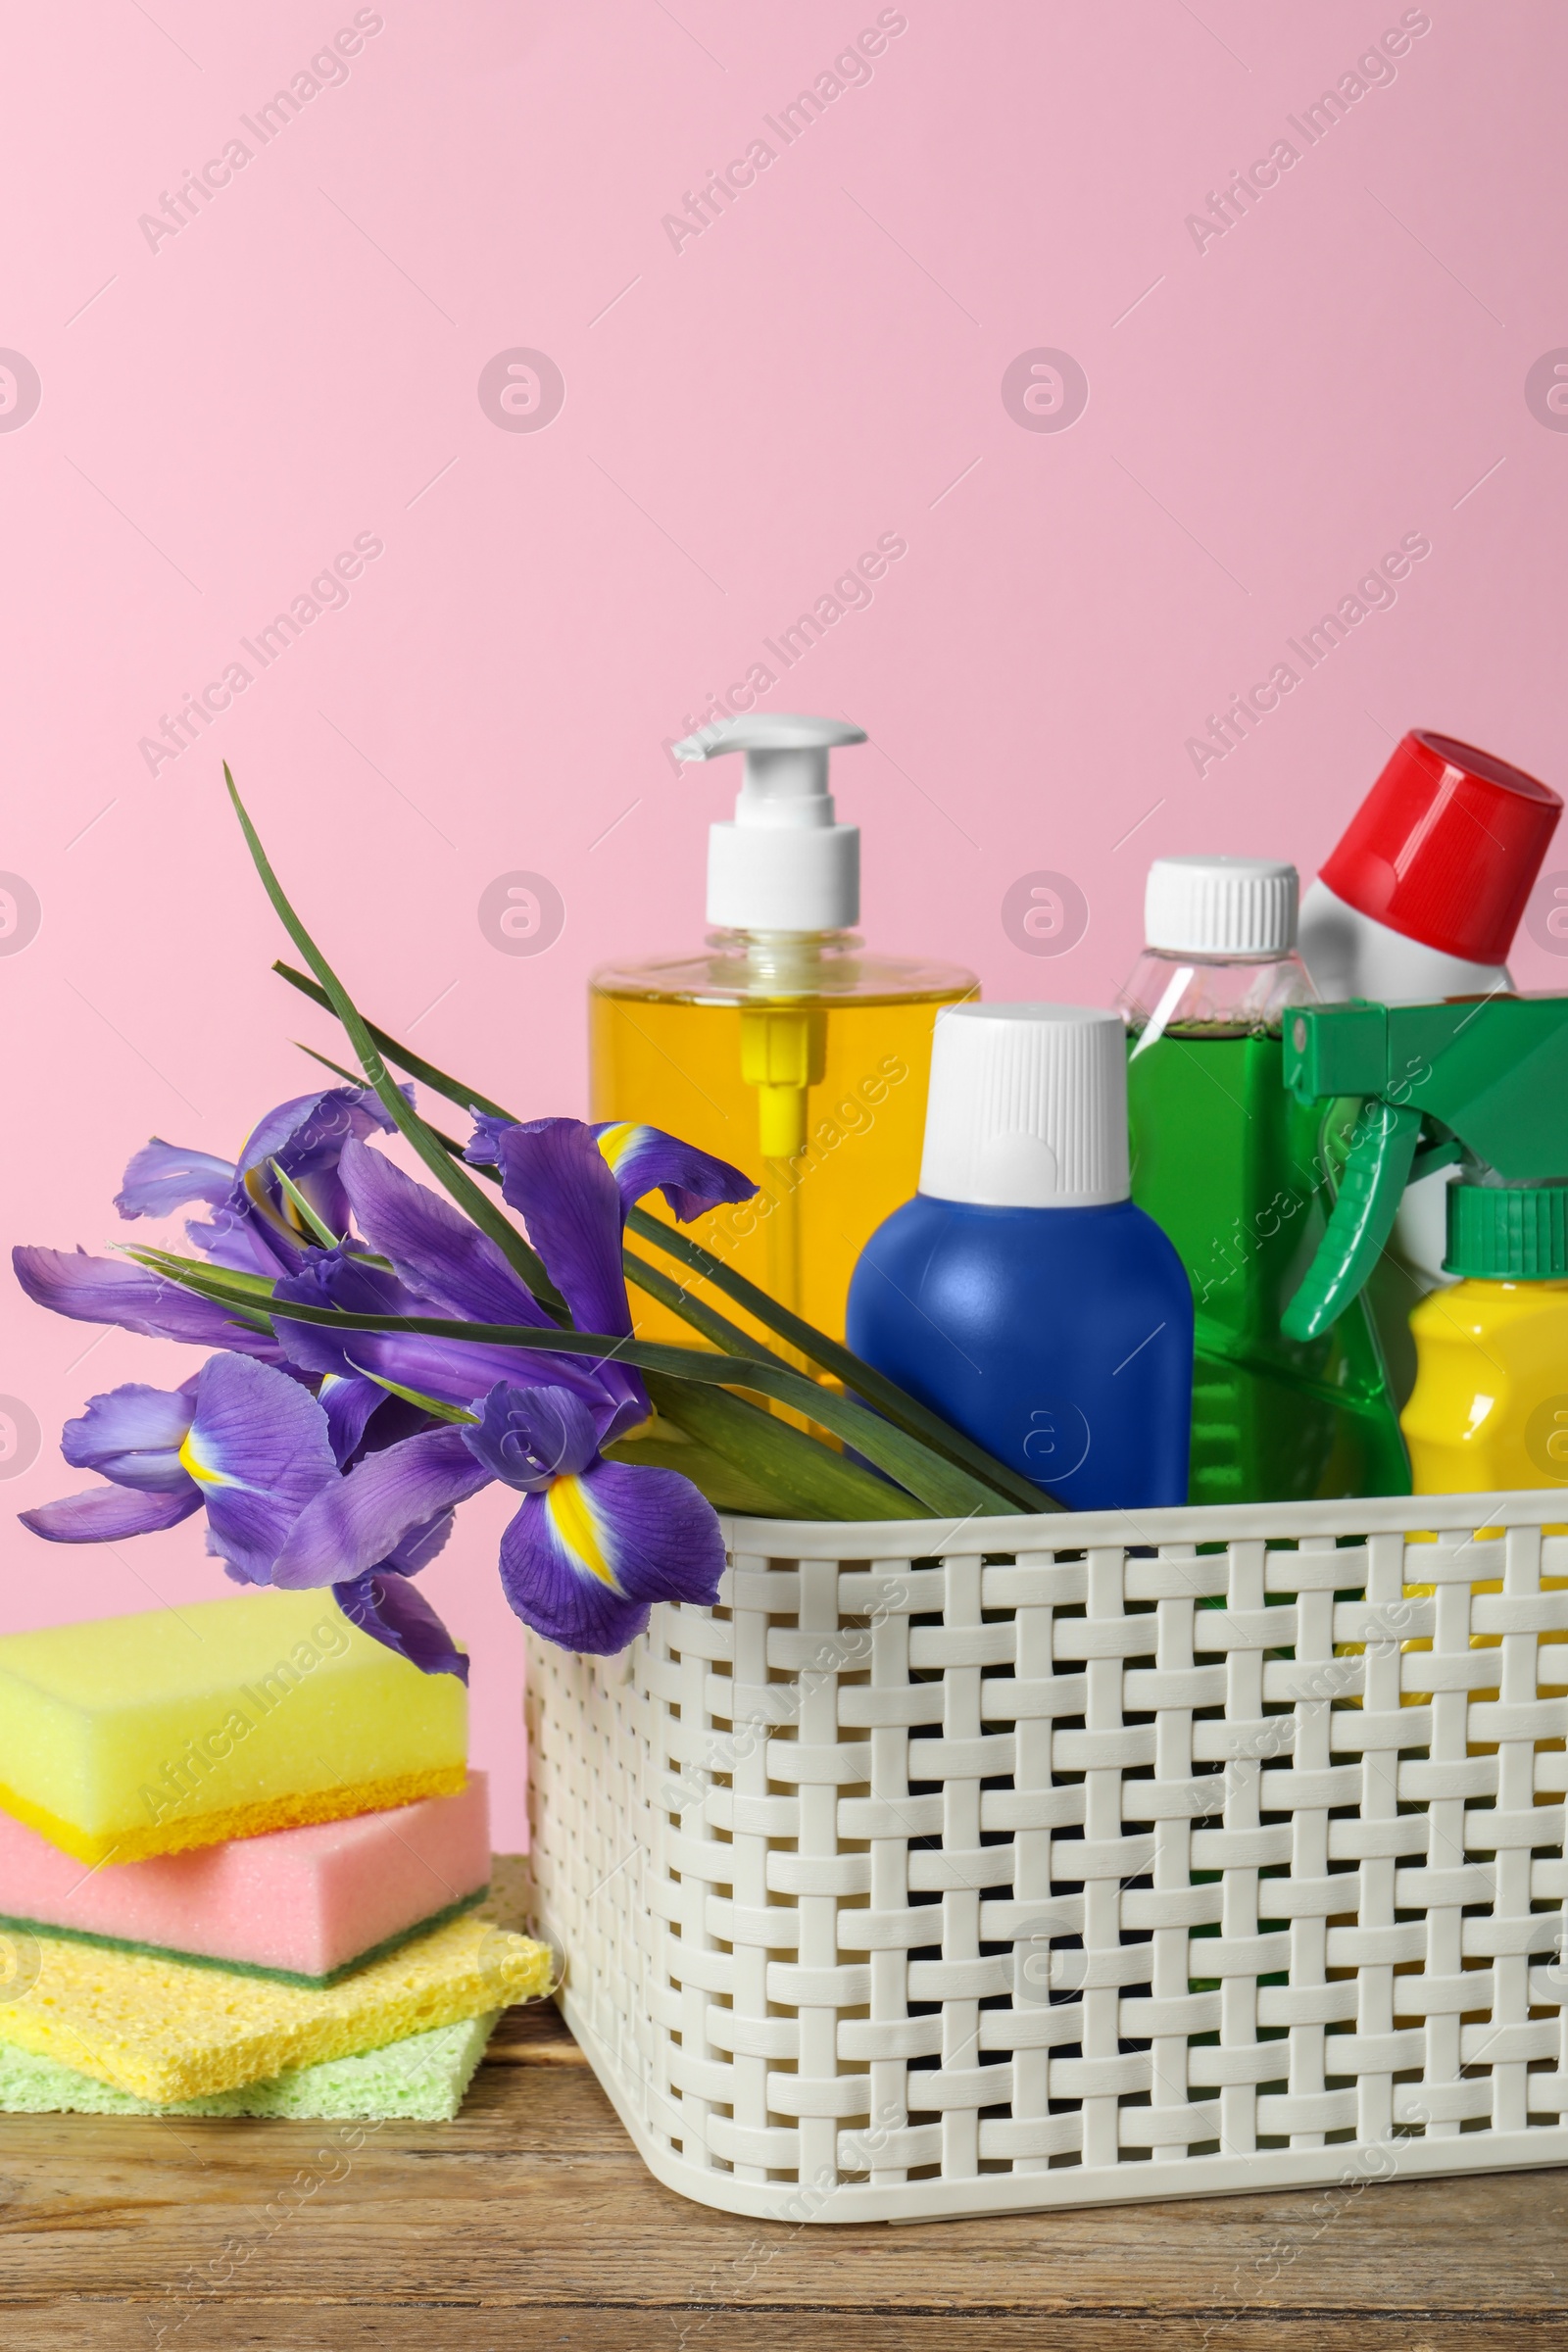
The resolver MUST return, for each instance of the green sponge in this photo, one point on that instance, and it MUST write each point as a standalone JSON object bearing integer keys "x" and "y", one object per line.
{"x": 421, "y": 2078}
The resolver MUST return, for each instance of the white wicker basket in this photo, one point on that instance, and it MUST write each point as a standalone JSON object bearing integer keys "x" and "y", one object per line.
{"x": 1045, "y": 1861}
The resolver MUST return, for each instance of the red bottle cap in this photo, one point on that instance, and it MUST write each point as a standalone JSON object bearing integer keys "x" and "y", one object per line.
{"x": 1445, "y": 847}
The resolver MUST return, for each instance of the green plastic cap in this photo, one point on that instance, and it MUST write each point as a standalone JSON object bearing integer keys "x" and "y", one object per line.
{"x": 1509, "y": 1232}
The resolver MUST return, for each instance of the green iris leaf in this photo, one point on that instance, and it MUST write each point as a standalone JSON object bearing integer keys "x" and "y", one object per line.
{"x": 315, "y": 1225}
{"x": 454, "y": 1179}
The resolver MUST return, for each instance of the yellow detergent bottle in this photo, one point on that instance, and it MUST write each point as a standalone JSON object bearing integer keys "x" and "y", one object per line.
{"x": 1490, "y": 1408}
{"x": 781, "y": 1046}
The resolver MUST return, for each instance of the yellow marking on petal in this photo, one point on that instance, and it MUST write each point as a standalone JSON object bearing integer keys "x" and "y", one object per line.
{"x": 616, "y": 1141}
{"x": 571, "y": 1517}
{"x": 199, "y": 1470}
{"x": 286, "y": 1216}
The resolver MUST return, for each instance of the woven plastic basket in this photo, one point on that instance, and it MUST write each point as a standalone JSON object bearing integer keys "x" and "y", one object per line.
{"x": 1047, "y": 1861}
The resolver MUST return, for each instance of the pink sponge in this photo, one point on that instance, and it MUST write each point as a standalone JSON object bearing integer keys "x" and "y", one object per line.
{"x": 305, "y": 1904}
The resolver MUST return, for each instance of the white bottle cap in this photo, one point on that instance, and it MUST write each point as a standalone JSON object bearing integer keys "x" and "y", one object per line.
{"x": 784, "y": 864}
{"x": 1028, "y": 1107}
{"x": 1220, "y": 907}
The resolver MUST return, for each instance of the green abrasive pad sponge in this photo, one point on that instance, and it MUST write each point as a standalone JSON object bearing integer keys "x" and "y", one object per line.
{"x": 422, "y": 2078}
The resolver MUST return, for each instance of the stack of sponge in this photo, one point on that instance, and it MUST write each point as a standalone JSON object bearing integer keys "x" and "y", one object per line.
{"x": 240, "y": 1856}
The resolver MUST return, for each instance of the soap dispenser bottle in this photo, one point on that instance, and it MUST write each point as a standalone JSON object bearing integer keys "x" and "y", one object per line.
{"x": 781, "y": 1046}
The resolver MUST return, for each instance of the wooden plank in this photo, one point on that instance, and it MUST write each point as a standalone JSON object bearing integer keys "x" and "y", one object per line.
{"x": 280, "y": 2327}
{"x": 533, "y": 2212}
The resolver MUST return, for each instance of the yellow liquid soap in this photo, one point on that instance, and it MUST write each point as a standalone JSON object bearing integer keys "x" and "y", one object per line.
{"x": 802, "y": 1061}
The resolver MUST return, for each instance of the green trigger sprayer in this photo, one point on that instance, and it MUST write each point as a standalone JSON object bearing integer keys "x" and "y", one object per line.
{"x": 1484, "y": 1082}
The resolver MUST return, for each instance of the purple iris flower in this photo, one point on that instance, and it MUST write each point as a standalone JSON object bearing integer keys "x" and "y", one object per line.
{"x": 247, "y": 1442}
{"x": 253, "y": 1446}
{"x": 300, "y": 1490}
{"x": 593, "y": 1544}
{"x": 255, "y": 1227}
{"x": 439, "y": 1265}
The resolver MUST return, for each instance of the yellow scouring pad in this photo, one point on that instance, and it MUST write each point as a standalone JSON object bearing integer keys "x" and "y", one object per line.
{"x": 136, "y": 1736}
{"x": 162, "y": 2031}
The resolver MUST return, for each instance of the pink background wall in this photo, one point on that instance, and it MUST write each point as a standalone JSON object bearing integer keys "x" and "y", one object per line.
{"x": 223, "y": 408}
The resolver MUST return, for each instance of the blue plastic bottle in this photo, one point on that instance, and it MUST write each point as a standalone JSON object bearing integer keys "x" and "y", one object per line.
{"x": 1021, "y": 1293}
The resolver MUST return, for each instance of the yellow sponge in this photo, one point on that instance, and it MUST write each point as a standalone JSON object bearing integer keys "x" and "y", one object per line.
{"x": 144, "y": 1734}
{"x": 163, "y": 2031}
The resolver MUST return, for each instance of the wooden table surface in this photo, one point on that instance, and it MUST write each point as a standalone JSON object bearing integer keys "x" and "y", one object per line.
{"x": 531, "y": 2222}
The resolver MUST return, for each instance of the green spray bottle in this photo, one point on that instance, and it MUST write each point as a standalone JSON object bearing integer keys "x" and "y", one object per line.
{"x": 1233, "y": 1167}
{"x": 1482, "y": 1082}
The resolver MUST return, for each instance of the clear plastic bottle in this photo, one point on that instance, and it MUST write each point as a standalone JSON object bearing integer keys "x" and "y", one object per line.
{"x": 1235, "y": 1171}
{"x": 782, "y": 1046}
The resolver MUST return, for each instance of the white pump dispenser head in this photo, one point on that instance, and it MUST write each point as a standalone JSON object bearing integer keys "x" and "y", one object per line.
{"x": 784, "y": 864}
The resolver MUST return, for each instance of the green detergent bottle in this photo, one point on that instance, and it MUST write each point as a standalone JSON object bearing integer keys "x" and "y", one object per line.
{"x": 1242, "y": 1176}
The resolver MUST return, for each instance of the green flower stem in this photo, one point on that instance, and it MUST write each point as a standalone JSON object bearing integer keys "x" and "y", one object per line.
{"x": 471, "y": 1198}
{"x": 805, "y": 1479}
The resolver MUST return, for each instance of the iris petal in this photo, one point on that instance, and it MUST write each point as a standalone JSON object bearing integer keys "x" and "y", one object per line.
{"x": 553, "y": 1174}
{"x": 436, "y": 1250}
{"x": 528, "y": 1437}
{"x": 420, "y": 1546}
{"x": 309, "y": 1129}
{"x": 133, "y": 1435}
{"x": 259, "y": 1449}
{"x": 306, "y": 1138}
{"x": 393, "y": 1612}
{"x": 660, "y": 1537}
{"x": 161, "y": 1177}
{"x": 105, "y": 1514}
{"x": 348, "y": 1404}
{"x": 106, "y": 1289}
{"x": 353, "y": 1525}
{"x": 335, "y": 1278}
{"x": 234, "y": 1240}
{"x": 645, "y": 1159}
{"x": 547, "y": 1588}
{"x": 581, "y": 1563}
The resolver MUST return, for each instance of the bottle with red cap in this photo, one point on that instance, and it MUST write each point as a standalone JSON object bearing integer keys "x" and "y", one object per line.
{"x": 1421, "y": 899}
{"x": 1423, "y": 894}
